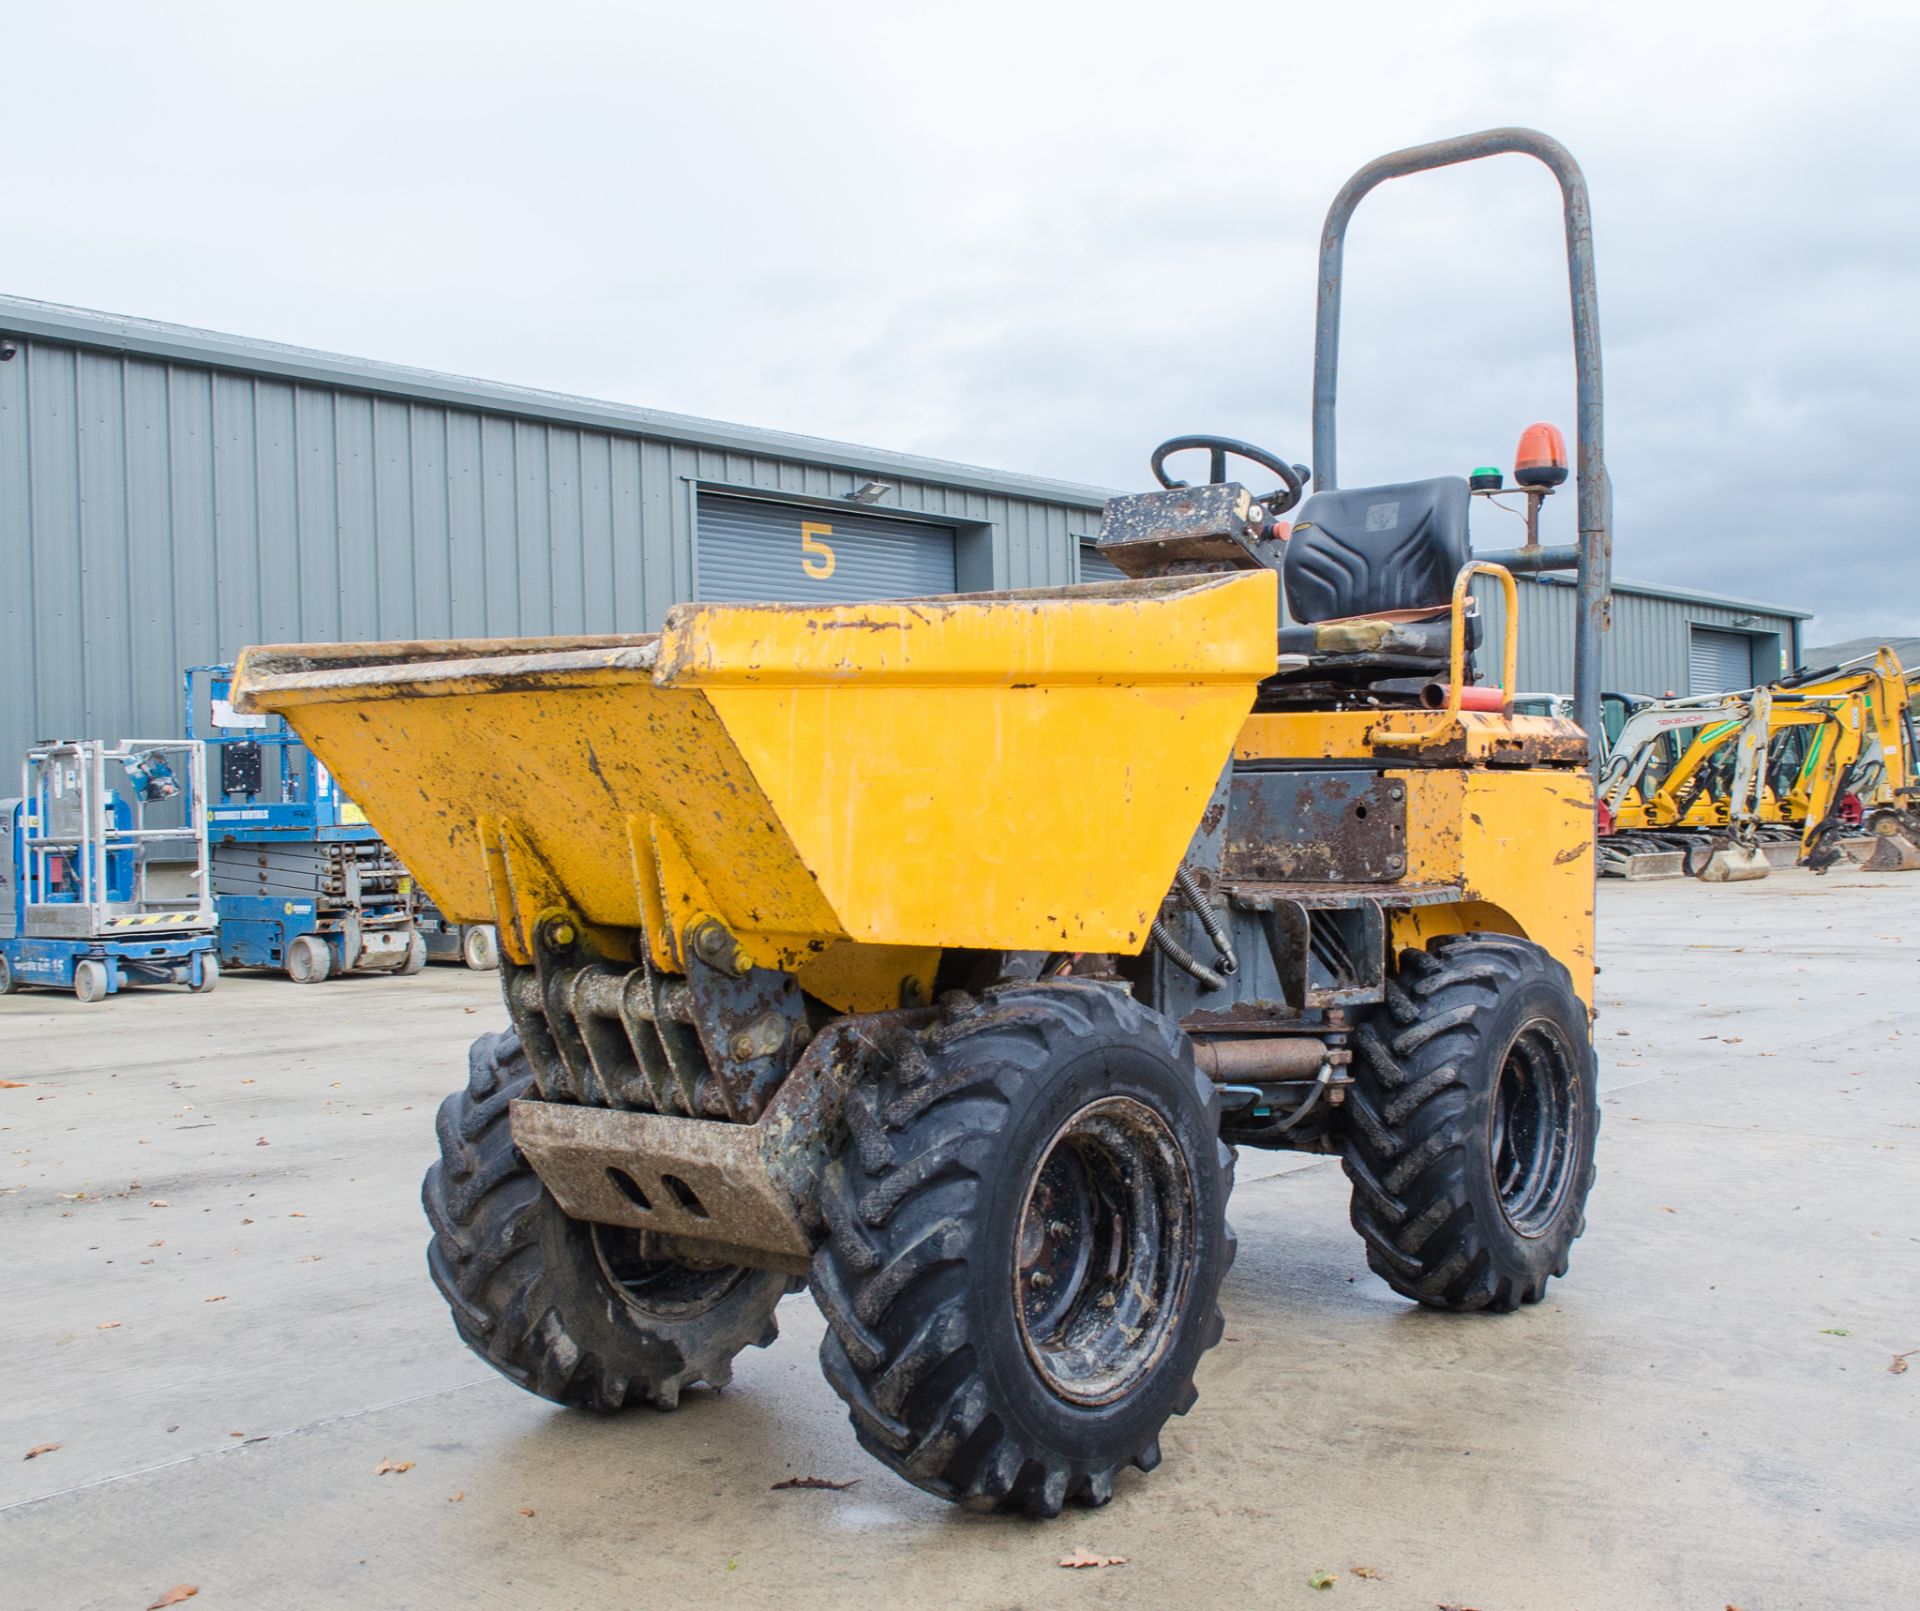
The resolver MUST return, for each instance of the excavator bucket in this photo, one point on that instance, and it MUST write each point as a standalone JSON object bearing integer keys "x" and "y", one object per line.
{"x": 1642, "y": 865}
{"x": 1736, "y": 864}
{"x": 1892, "y": 853}
{"x": 1018, "y": 771}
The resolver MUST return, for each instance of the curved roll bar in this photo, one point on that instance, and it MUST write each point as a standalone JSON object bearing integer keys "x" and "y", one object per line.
{"x": 1593, "y": 555}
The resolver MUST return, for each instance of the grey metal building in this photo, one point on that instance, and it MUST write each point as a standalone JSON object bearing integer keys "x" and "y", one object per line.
{"x": 1662, "y": 640}
{"x": 168, "y": 495}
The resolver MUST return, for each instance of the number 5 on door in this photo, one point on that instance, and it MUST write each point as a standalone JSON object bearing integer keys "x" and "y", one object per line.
{"x": 816, "y": 558}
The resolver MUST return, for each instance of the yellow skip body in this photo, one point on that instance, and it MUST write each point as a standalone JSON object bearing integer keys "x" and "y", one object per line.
{"x": 1013, "y": 771}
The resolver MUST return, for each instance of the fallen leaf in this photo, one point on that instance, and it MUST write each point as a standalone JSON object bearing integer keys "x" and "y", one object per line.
{"x": 1322, "y": 1580}
{"x": 454, "y": 1499}
{"x": 21, "y": 1085}
{"x": 296, "y": 1214}
{"x": 1083, "y": 1557}
{"x": 174, "y": 1595}
{"x": 1835, "y": 1331}
{"x": 526, "y": 1510}
{"x": 1665, "y": 1210}
{"x": 159, "y": 1202}
{"x": 815, "y": 1482}
{"x": 312, "y": 1258}
{"x": 1364, "y": 1571}
{"x": 41, "y": 1448}
{"x": 108, "y": 1325}
{"x": 246, "y": 1222}
{"x": 263, "y": 1142}
{"x": 218, "y": 1298}
{"x": 1897, "y": 1368}
{"x": 392, "y": 1465}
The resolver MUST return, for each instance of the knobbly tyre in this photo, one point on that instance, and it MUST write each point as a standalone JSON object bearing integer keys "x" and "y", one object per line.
{"x": 936, "y": 954}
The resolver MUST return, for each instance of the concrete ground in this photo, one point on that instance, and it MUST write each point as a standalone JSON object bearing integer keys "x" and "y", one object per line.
{"x": 216, "y": 1306}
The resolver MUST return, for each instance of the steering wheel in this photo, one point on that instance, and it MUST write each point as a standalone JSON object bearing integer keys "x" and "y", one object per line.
{"x": 1221, "y": 448}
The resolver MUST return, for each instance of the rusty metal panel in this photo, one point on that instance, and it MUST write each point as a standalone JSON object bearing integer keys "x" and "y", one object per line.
{"x": 1341, "y": 824}
{"x": 687, "y": 1178}
{"x": 1183, "y": 528}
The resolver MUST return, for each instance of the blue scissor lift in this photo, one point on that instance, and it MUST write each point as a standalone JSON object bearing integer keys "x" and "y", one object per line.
{"x": 104, "y": 878}
{"x": 301, "y": 880}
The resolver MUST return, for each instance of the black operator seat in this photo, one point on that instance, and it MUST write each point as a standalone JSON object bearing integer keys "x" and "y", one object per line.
{"x": 1369, "y": 574}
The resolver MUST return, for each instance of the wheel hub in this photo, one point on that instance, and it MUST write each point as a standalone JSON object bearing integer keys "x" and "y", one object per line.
{"x": 1532, "y": 1127}
{"x": 1105, "y": 1251}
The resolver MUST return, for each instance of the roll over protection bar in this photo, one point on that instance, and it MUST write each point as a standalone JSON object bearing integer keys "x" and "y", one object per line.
{"x": 1592, "y": 557}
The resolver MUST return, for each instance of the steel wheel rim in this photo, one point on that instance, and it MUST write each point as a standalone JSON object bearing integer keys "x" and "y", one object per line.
{"x": 659, "y": 1289}
{"x": 1531, "y": 1131}
{"x": 1104, "y": 1251}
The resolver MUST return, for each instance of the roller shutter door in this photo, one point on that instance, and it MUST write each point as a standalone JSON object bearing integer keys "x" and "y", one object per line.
{"x": 749, "y": 551}
{"x": 1096, "y": 567}
{"x": 1718, "y": 661}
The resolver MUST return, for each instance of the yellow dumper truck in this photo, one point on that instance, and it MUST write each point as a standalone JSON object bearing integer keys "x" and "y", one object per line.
{"x": 937, "y": 954}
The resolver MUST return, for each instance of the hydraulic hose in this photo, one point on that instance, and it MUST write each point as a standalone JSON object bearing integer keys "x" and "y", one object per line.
{"x": 1182, "y": 958}
{"x": 1202, "y": 908}
{"x": 1271, "y": 1132}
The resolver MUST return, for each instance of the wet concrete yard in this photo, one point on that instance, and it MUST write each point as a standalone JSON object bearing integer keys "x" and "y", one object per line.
{"x": 215, "y": 1304}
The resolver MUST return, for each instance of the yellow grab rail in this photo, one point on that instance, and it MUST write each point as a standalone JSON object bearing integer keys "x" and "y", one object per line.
{"x": 1457, "y": 655}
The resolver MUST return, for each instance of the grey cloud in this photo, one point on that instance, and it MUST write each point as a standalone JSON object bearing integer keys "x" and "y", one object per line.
{"x": 1044, "y": 237}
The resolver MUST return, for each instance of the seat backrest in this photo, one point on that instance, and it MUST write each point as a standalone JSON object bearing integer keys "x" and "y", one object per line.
{"x": 1361, "y": 550}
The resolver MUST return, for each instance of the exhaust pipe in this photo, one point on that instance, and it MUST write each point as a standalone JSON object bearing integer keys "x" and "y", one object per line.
{"x": 1475, "y": 697}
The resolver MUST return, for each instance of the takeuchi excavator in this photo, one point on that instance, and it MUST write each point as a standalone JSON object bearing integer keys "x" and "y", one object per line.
{"x": 1720, "y": 786}
{"x": 1663, "y": 786}
{"x": 1867, "y": 779}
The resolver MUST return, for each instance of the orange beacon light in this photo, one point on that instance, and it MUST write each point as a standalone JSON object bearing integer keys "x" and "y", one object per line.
{"x": 1541, "y": 458}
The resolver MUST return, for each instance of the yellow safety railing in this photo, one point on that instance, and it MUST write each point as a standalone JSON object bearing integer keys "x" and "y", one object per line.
{"x": 1457, "y": 655}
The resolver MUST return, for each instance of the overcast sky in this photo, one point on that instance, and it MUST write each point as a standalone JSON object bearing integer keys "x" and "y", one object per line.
{"x": 1042, "y": 237}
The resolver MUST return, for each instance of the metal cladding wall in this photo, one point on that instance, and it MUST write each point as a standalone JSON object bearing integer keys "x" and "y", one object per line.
{"x": 1646, "y": 650}
{"x": 170, "y": 495}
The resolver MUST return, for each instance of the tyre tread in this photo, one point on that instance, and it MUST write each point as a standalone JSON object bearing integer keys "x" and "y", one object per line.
{"x": 891, "y": 1276}
{"x": 1406, "y": 1144}
{"x": 490, "y": 1216}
